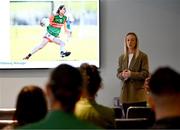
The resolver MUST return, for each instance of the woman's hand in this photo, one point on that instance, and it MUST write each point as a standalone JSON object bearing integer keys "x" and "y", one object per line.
{"x": 126, "y": 74}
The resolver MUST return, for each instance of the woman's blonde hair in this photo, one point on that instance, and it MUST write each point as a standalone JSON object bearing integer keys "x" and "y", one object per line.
{"x": 136, "y": 47}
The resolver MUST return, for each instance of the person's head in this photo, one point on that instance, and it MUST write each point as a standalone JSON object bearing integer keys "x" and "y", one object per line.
{"x": 61, "y": 10}
{"x": 164, "y": 88}
{"x": 131, "y": 42}
{"x": 64, "y": 87}
{"x": 91, "y": 79}
{"x": 165, "y": 81}
{"x": 31, "y": 105}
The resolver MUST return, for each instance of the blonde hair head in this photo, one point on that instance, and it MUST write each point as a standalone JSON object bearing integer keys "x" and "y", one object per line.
{"x": 136, "y": 47}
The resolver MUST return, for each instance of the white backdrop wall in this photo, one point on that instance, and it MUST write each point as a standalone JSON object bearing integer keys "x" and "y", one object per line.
{"x": 156, "y": 22}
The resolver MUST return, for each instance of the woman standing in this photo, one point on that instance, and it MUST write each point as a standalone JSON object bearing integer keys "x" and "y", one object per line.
{"x": 133, "y": 70}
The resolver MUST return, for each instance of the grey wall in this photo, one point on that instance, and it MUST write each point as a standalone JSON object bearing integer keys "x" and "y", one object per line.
{"x": 156, "y": 22}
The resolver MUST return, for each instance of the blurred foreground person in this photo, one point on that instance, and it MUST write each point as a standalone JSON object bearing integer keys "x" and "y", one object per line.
{"x": 164, "y": 95}
{"x": 63, "y": 90}
{"x": 87, "y": 108}
{"x": 31, "y": 106}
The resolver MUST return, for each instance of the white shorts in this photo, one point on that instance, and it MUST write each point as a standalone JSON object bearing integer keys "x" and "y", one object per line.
{"x": 49, "y": 36}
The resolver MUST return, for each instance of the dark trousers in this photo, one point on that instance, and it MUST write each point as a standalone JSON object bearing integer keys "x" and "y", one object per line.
{"x": 127, "y": 105}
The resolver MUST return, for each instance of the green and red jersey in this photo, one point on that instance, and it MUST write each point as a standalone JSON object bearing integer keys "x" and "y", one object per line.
{"x": 55, "y": 31}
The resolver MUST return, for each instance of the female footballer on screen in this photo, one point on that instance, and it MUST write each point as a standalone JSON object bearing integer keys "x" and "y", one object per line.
{"x": 53, "y": 30}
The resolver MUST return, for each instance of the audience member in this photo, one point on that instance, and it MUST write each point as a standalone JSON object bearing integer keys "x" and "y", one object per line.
{"x": 63, "y": 91}
{"x": 87, "y": 108}
{"x": 164, "y": 95}
{"x": 31, "y": 106}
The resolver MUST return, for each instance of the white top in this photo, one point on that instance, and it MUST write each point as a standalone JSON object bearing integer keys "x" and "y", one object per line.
{"x": 130, "y": 58}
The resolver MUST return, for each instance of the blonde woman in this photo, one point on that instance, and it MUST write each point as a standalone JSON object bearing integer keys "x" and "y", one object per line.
{"x": 132, "y": 71}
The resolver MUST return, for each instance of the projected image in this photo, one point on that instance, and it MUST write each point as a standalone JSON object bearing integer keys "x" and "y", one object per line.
{"x": 44, "y": 34}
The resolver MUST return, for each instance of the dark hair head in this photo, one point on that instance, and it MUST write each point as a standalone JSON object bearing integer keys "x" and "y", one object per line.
{"x": 94, "y": 78}
{"x": 164, "y": 81}
{"x": 60, "y": 8}
{"x": 65, "y": 84}
{"x": 31, "y": 105}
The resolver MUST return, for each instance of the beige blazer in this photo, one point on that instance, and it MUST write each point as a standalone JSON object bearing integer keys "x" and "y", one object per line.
{"x": 133, "y": 90}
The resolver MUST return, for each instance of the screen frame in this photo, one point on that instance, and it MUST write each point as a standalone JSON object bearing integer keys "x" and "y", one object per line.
{"x": 19, "y": 65}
